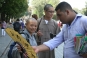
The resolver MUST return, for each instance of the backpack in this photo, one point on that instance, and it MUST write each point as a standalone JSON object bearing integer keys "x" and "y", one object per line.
{"x": 16, "y": 26}
{"x": 14, "y": 43}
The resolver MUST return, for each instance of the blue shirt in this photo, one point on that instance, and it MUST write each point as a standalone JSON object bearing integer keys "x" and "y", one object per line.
{"x": 78, "y": 26}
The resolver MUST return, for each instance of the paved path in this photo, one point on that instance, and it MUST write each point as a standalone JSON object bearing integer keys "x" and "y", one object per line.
{"x": 59, "y": 51}
{"x": 4, "y": 43}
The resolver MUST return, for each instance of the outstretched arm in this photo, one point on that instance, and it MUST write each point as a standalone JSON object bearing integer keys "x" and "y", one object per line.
{"x": 40, "y": 48}
{"x": 49, "y": 45}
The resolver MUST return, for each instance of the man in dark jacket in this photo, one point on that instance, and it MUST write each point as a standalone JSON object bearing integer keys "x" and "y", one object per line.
{"x": 17, "y": 26}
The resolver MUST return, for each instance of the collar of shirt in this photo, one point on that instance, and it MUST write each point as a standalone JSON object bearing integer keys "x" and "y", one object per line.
{"x": 46, "y": 21}
{"x": 29, "y": 33}
{"x": 77, "y": 16}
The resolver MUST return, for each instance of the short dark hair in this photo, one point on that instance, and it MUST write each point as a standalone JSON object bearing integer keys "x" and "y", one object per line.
{"x": 35, "y": 16}
{"x": 17, "y": 20}
{"x": 63, "y": 6}
{"x": 46, "y": 7}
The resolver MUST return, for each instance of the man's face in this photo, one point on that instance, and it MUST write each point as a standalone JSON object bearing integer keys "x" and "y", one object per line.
{"x": 31, "y": 26}
{"x": 50, "y": 12}
{"x": 63, "y": 16}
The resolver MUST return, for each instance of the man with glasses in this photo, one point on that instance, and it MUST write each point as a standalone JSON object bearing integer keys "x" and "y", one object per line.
{"x": 47, "y": 29}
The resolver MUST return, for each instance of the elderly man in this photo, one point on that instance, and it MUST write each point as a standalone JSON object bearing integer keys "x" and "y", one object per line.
{"x": 31, "y": 26}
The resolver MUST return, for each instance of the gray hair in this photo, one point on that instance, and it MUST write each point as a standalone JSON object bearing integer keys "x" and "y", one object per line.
{"x": 47, "y": 6}
{"x": 27, "y": 20}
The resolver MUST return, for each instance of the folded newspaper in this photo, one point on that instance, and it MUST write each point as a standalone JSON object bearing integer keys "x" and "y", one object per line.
{"x": 80, "y": 44}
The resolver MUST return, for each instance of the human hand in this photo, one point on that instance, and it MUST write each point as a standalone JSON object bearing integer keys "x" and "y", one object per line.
{"x": 36, "y": 49}
{"x": 40, "y": 48}
{"x": 39, "y": 33}
{"x": 19, "y": 48}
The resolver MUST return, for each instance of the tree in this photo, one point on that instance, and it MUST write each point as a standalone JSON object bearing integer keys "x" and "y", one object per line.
{"x": 1, "y": 1}
{"x": 13, "y": 8}
{"x": 78, "y": 11}
{"x": 39, "y": 5}
{"x": 85, "y": 12}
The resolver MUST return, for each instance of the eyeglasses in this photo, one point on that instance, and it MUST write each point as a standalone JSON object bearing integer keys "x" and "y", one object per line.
{"x": 51, "y": 11}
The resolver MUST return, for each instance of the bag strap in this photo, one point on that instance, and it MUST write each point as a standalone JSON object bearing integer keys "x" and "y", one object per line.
{"x": 26, "y": 35}
{"x": 39, "y": 24}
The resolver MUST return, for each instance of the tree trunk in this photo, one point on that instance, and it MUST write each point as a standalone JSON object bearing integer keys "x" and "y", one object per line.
{"x": 2, "y": 16}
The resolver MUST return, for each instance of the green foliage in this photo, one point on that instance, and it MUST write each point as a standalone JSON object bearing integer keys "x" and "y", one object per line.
{"x": 39, "y": 6}
{"x": 85, "y": 12}
{"x": 1, "y": 1}
{"x": 14, "y": 8}
{"x": 79, "y": 11}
